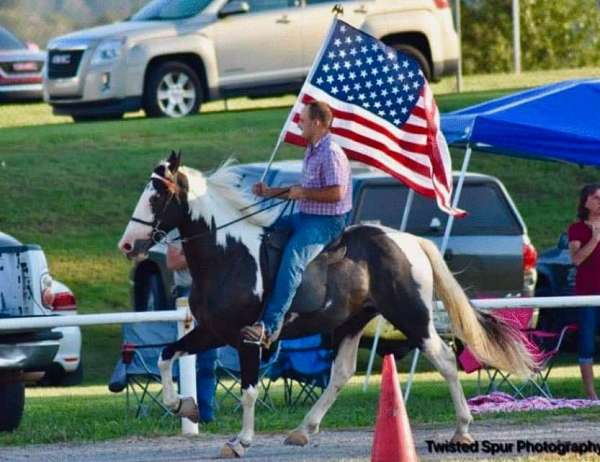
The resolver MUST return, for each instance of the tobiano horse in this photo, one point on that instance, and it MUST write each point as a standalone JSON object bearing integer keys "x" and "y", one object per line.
{"x": 382, "y": 271}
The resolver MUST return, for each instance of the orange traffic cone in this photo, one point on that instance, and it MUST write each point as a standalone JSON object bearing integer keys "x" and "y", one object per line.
{"x": 393, "y": 440}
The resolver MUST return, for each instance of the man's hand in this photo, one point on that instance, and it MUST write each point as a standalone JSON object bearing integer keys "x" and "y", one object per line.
{"x": 260, "y": 189}
{"x": 296, "y": 193}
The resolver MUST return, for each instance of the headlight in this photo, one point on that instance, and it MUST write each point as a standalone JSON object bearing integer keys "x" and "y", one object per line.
{"x": 108, "y": 51}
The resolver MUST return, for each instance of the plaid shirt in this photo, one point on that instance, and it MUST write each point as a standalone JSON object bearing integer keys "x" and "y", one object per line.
{"x": 325, "y": 164}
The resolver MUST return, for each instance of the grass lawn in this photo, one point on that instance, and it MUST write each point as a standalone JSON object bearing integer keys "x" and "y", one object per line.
{"x": 92, "y": 413}
{"x": 71, "y": 188}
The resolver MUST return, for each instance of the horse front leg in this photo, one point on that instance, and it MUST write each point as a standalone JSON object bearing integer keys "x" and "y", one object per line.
{"x": 249, "y": 364}
{"x": 344, "y": 367}
{"x": 193, "y": 342}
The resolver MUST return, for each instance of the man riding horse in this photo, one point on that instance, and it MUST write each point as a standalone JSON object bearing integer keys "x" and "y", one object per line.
{"x": 325, "y": 198}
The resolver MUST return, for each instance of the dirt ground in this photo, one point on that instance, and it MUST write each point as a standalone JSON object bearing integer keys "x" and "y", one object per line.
{"x": 347, "y": 445}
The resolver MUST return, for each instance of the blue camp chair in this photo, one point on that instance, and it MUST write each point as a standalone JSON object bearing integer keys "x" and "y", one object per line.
{"x": 228, "y": 367}
{"x": 137, "y": 369}
{"x": 305, "y": 366}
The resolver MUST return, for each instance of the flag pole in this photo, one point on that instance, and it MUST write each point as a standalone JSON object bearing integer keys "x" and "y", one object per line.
{"x": 337, "y": 10}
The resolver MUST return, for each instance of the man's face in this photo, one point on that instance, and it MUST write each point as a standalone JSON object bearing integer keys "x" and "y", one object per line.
{"x": 307, "y": 125}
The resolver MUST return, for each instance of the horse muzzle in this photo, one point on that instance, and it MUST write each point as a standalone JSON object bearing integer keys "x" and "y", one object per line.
{"x": 139, "y": 250}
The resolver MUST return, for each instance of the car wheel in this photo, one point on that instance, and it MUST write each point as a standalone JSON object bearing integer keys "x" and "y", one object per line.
{"x": 151, "y": 294}
{"x": 56, "y": 376}
{"x": 12, "y": 402}
{"x": 96, "y": 118}
{"x": 173, "y": 89}
{"x": 416, "y": 54}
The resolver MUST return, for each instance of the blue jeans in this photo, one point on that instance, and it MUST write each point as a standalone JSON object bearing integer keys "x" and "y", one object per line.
{"x": 589, "y": 320}
{"x": 310, "y": 235}
{"x": 206, "y": 378}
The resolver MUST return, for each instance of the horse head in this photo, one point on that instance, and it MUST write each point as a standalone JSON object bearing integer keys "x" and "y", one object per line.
{"x": 161, "y": 208}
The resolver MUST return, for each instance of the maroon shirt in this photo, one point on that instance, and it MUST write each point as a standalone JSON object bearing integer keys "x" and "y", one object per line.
{"x": 587, "y": 280}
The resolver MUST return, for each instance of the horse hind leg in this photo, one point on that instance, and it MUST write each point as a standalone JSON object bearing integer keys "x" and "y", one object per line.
{"x": 344, "y": 367}
{"x": 442, "y": 357}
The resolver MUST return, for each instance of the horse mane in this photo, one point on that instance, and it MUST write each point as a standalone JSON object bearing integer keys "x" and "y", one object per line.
{"x": 209, "y": 194}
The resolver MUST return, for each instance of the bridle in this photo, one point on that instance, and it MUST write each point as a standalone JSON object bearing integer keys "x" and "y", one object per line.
{"x": 157, "y": 235}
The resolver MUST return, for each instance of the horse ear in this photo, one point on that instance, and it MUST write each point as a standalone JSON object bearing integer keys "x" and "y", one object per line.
{"x": 174, "y": 161}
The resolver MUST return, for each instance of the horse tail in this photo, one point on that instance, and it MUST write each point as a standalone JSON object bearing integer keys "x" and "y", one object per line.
{"x": 490, "y": 339}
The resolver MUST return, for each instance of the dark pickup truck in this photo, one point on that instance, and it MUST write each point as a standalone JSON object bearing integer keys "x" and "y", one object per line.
{"x": 489, "y": 250}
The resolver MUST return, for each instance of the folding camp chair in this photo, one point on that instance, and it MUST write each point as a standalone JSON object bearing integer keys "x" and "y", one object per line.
{"x": 137, "y": 372}
{"x": 305, "y": 366}
{"x": 543, "y": 346}
{"x": 229, "y": 376}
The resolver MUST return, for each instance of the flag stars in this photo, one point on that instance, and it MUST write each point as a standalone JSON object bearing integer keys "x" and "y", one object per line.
{"x": 331, "y": 55}
{"x": 368, "y": 84}
{"x": 380, "y": 58}
{"x": 377, "y": 104}
{"x": 401, "y": 77}
{"x": 351, "y": 75}
{"x": 405, "y": 64}
{"x": 374, "y": 71}
{"x": 336, "y": 66}
{"x": 353, "y": 52}
{"x": 391, "y": 55}
{"x": 334, "y": 90}
{"x": 379, "y": 82}
{"x": 373, "y": 95}
{"x": 393, "y": 112}
{"x": 343, "y": 28}
{"x": 363, "y": 73}
{"x": 319, "y": 81}
{"x": 347, "y": 64}
{"x": 396, "y": 121}
{"x": 358, "y": 63}
{"x": 357, "y": 86}
{"x": 400, "y": 100}
{"x": 362, "y": 97}
{"x": 385, "y": 69}
{"x": 388, "y": 103}
{"x": 404, "y": 110}
{"x": 416, "y": 85}
{"x": 381, "y": 113}
{"x": 374, "y": 47}
{"x": 341, "y": 77}
{"x": 359, "y": 39}
{"x": 342, "y": 54}
{"x": 384, "y": 92}
{"x": 326, "y": 68}
{"x": 406, "y": 87}
{"x": 364, "y": 49}
{"x": 396, "y": 66}
{"x": 390, "y": 80}
{"x": 348, "y": 40}
{"x": 346, "y": 88}
{"x": 411, "y": 98}
{"x": 337, "y": 42}
{"x": 330, "y": 79}
{"x": 369, "y": 60}
{"x": 411, "y": 74}
{"x": 395, "y": 90}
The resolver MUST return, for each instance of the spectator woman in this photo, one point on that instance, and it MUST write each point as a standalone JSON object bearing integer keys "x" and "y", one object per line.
{"x": 584, "y": 239}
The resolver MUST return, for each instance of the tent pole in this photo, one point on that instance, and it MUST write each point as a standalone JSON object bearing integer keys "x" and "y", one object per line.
{"x": 449, "y": 224}
{"x": 407, "y": 208}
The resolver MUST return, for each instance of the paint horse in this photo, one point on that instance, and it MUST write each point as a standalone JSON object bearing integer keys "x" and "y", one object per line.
{"x": 381, "y": 271}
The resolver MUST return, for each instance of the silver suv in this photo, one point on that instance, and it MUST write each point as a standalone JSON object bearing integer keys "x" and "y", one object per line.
{"x": 174, "y": 54}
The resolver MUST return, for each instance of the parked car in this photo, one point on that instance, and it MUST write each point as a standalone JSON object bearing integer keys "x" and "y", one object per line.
{"x": 173, "y": 55}
{"x": 27, "y": 289}
{"x": 489, "y": 250}
{"x": 556, "y": 278}
{"x": 21, "y": 66}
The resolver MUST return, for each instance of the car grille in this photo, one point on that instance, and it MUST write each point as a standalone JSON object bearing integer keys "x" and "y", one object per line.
{"x": 19, "y": 67}
{"x": 63, "y": 63}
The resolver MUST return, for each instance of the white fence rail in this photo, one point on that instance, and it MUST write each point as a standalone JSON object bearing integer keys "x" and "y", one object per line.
{"x": 183, "y": 317}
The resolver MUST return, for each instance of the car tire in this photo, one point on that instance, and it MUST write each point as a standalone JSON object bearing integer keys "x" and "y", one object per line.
{"x": 418, "y": 55}
{"x": 12, "y": 403}
{"x": 173, "y": 89}
{"x": 56, "y": 376}
{"x": 150, "y": 295}
{"x": 96, "y": 118}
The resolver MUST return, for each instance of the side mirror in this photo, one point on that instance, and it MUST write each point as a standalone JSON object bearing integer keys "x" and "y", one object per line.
{"x": 563, "y": 241}
{"x": 234, "y": 7}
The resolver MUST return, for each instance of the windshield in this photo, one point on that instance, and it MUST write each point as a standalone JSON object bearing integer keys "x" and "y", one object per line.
{"x": 168, "y": 10}
{"x": 9, "y": 42}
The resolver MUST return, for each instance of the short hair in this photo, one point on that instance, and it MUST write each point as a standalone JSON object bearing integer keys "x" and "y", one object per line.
{"x": 589, "y": 189}
{"x": 318, "y": 110}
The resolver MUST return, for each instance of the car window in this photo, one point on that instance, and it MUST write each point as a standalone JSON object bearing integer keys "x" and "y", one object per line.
{"x": 9, "y": 42}
{"x": 165, "y": 10}
{"x": 257, "y": 6}
{"x": 489, "y": 213}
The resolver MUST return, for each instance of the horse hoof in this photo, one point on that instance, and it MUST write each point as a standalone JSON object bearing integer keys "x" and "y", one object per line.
{"x": 188, "y": 409}
{"x": 233, "y": 449}
{"x": 462, "y": 438}
{"x": 296, "y": 438}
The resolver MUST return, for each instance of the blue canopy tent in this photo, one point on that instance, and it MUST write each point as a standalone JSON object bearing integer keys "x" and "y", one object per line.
{"x": 560, "y": 121}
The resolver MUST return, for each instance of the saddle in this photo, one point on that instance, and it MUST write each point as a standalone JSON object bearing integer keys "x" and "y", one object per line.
{"x": 271, "y": 250}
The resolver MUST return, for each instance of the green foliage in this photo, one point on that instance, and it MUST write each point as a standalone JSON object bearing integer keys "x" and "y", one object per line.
{"x": 554, "y": 34}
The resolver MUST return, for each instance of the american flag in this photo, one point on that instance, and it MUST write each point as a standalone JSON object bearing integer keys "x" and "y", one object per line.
{"x": 384, "y": 111}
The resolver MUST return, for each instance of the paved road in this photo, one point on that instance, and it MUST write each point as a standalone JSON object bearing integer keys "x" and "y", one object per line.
{"x": 348, "y": 446}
